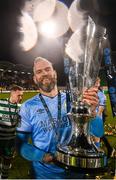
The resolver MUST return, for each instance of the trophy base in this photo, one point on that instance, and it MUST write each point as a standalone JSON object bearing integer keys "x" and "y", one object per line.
{"x": 81, "y": 158}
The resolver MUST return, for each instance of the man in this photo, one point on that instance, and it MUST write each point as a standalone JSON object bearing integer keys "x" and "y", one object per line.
{"x": 100, "y": 136}
{"x": 44, "y": 119}
{"x": 9, "y": 119}
{"x": 97, "y": 127}
{"x": 102, "y": 113}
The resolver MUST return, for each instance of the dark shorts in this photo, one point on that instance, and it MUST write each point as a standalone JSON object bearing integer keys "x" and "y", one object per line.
{"x": 7, "y": 148}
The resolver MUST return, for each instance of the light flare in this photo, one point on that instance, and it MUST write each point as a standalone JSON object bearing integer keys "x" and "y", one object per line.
{"x": 48, "y": 28}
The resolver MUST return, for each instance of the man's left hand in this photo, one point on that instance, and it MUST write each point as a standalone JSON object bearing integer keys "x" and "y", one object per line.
{"x": 90, "y": 97}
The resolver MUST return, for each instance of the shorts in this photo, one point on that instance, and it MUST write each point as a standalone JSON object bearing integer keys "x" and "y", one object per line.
{"x": 7, "y": 148}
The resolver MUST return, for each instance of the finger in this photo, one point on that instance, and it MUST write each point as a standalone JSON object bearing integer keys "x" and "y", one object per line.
{"x": 89, "y": 97}
{"x": 47, "y": 158}
{"x": 92, "y": 94}
{"x": 88, "y": 92}
{"x": 91, "y": 101}
{"x": 93, "y": 89}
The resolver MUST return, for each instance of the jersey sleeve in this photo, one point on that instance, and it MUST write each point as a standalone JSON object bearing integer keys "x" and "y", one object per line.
{"x": 24, "y": 114}
{"x": 102, "y": 99}
{"x": 23, "y": 133}
{"x": 26, "y": 150}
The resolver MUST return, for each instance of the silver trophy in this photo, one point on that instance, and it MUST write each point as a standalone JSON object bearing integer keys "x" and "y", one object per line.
{"x": 84, "y": 48}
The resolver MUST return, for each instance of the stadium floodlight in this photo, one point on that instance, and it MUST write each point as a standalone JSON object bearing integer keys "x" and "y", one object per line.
{"x": 9, "y": 70}
{"x": 1, "y": 69}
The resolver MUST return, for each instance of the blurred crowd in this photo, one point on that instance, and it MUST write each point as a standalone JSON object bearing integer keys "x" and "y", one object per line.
{"x": 11, "y": 74}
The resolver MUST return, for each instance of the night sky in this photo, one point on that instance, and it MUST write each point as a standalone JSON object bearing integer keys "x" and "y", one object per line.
{"x": 10, "y": 10}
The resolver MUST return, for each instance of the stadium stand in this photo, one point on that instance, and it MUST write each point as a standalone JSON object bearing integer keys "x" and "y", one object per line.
{"x": 15, "y": 74}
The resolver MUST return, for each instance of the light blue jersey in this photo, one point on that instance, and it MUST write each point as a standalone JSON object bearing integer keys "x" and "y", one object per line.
{"x": 96, "y": 126}
{"x": 35, "y": 121}
{"x": 102, "y": 100}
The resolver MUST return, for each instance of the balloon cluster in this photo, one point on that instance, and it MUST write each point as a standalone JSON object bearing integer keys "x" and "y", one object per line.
{"x": 50, "y": 18}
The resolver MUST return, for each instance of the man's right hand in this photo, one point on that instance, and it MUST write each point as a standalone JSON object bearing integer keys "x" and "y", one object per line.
{"x": 48, "y": 158}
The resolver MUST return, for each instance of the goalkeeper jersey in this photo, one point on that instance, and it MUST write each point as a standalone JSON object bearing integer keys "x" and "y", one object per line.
{"x": 35, "y": 121}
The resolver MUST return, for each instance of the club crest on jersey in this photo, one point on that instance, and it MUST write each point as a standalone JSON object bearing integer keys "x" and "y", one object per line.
{"x": 40, "y": 111}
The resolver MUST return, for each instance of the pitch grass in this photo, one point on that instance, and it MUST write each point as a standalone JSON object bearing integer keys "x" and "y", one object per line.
{"x": 109, "y": 119}
{"x": 20, "y": 167}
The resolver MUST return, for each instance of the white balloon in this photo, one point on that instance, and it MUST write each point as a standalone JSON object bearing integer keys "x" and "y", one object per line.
{"x": 76, "y": 16}
{"x": 43, "y": 9}
{"x": 74, "y": 48}
{"x": 57, "y": 23}
{"x": 29, "y": 32}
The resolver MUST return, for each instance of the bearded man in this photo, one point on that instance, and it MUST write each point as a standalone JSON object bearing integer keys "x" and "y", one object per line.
{"x": 44, "y": 119}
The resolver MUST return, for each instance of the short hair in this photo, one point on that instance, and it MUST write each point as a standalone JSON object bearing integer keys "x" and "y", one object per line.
{"x": 98, "y": 79}
{"x": 15, "y": 88}
{"x": 38, "y": 59}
